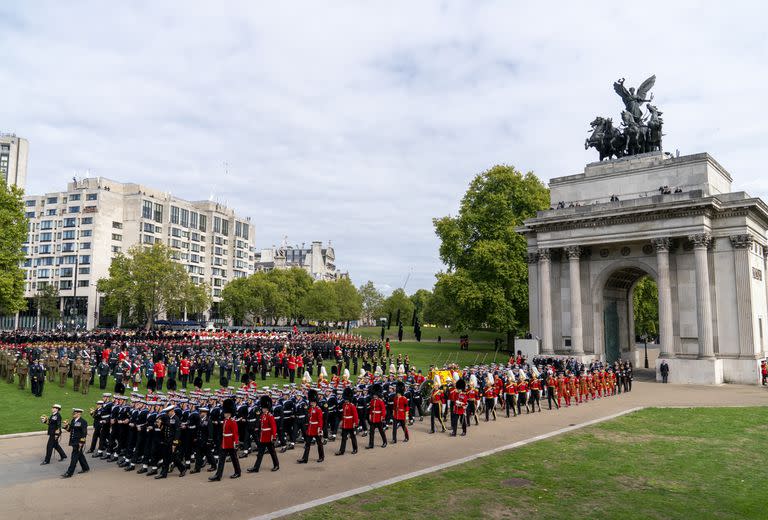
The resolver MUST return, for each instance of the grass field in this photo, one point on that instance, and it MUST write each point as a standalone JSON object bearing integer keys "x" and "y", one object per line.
{"x": 657, "y": 463}
{"x": 430, "y": 334}
{"x": 20, "y": 411}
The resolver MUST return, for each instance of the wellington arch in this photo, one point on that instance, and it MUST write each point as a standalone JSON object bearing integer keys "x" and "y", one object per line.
{"x": 676, "y": 220}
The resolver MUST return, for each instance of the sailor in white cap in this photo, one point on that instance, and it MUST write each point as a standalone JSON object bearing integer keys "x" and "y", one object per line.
{"x": 54, "y": 432}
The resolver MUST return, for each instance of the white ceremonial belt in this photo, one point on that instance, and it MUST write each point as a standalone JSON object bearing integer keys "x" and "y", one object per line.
{"x": 192, "y": 427}
{"x": 349, "y": 416}
{"x": 228, "y": 434}
{"x": 266, "y": 429}
{"x": 310, "y": 422}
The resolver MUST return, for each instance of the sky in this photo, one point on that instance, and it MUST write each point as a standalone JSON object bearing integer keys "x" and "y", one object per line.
{"x": 359, "y": 122}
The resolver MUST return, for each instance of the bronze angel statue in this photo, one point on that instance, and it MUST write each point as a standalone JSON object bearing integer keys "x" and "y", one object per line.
{"x": 634, "y": 100}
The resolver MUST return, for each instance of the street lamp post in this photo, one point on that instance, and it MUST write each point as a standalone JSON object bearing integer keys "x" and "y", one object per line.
{"x": 644, "y": 337}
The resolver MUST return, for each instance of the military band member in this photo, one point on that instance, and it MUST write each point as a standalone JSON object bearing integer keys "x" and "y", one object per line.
{"x": 54, "y": 433}
{"x": 267, "y": 436}
{"x": 489, "y": 394}
{"x": 552, "y": 391}
{"x": 229, "y": 442}
{"x": 349, "y": 421}
{"x": 535, "y": 393}
{"x": 400, "y": 412}
{"x": 436, "y": 405}
{"x": 78, "y": 431}
{"x": 459, "y": 408}
{"x": 203, "y": 442}
{"x": 522, "y": 395}
{"x": 314, "y": 428}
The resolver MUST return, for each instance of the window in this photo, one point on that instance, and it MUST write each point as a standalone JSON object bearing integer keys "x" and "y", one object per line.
{"x": 86, "y": 220}
{"x": 86, "y": 232}
{"x": 70, "y": 222}
{"x": 43, "y": 273}
{"x": 30, "y": 203}
{"x": 65, "y": 272}
{"x": 175, "y": 243}
{"x": 29, "y": 214}
{"x": 117, "y": 237}
{"x": 174, "y": 215}
{"x": 116, "y": 249}
{"x": 92, "y": 196}
{"x": 44, "y": 261}
{"x": 83, "y": 283}
{"x": 68, "y": 234}
{"x": 185, "y": 217}
{"x": 203, "y": 222}
{"x": 146, "y": 209}
{"x": 67, "y": 260}
{"x": 84, "y": 270}
{"x": 74, "y": 197}
{"x": 49, "y": 213}
{"x": 65, "y": 285}
{"x": 245, "y": 231}
{"x": 238, "y": 228}
{"x": 45, "y": 237}
{"x": 85, "y": 259}
{"x": 225, "y": 227}
{"x": 149, "y": 228}
{"x": 46, "y": 224}
{"x": 158, "y": 217}
{"x": 52, "y": 200}
{"x": 193, "y": 220}
{"x": 117, "y": 225}
{"x": 176, "y": 232}
{"x": 85, "y": 245}
{"x": 149, "y": 239}
{"x": 216, "y": 225}
{"x": 74, "y": 209}
{"x": 69, "y": 247}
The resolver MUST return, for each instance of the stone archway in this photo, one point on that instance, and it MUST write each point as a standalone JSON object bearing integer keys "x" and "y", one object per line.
{"x": 613, "y": 318}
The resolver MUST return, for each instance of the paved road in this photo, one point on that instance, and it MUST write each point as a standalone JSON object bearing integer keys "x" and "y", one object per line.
{"x": 27, "y": 487}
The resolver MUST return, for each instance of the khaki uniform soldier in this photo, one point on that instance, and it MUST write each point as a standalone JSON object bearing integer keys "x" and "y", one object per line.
{"x": 3, "y": 364}
{"x": 51, "y": 366}
{"x": 63, "y": 369}
{"x": 85, "y": 379}
{"x": 22, "y": 368}
{"x": 77, "y": 372}
{"x": 11, "y": 367}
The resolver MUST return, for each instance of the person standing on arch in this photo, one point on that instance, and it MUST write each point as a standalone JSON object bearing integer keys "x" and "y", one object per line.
{"x": 664, "y": 370}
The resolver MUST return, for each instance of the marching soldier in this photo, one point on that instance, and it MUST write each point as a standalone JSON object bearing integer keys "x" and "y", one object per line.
{"x": 54, "y": 432}
{"x": 77, "y": 372}
{"x": 229, "y": 442}
{"x": 400, "y": 412}
{"x": 376, "y": 411}
{"x": 314, "y": 428}
{"x": 349, "y": 421}
{"x": 459, "y": 408}
{"x": 85, "y": 378}
{"x": 203, "y": 438}
{"x": 169, "y": 441}
{"x": 489, "y": 395}
{"x": 267, "y": 436}
{"x": 78, "y": 431}
{"x": 63, "y": 369}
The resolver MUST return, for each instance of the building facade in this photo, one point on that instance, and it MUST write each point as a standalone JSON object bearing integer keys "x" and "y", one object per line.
{"x": 75, "y": 234}
{"x": 318, "y": 261}
{"x": 14, "y": 154}
{"x": 676, "y": 220}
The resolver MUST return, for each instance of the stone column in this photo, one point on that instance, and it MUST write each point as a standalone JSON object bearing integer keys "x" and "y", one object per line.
{"x": 666, "y": 334}
{"x": 741, "y": 246}
{"x": 574, "y": 268}
{"x": 545, "y": 301}
{"x": 701, "y": 242}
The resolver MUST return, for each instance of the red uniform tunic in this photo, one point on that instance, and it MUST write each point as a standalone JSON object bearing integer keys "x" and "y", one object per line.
{"x": 315, "y": 424}
{"x": 377, "y": 410}
{"x": 291, "y": 363}
{"x": 536, "y": 384}
{"x": 401, "y": 408}
{"x": 184, "y": 367}
{"x": 460, "y": 403}
{"x": 490, "y": 392}
{"x": 159, "y": 369}
{"x": 349, "y": 417}
{"x": 472, "y": 394}
{"x": 268, "y": 428}
{"x": 229, "y": 438}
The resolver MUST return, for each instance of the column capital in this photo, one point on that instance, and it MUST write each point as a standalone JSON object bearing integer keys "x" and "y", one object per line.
{"x": 700, "y": 240}
{"x": 544, "y": 254}
{"x": 742, "y": 241}
{"x": 573, "y": 252}
{"x": 533, "y": 258}
{"x": 662, "y": 244}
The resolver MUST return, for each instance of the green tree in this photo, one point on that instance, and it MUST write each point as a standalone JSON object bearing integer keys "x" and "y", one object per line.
{"x": 237, "y": 301}
{"x": 47, "y": 302}
{"x": 292, "y": 284}
{"x": 13, "y": 233}
{"x": 147, "y": 282}
{"x": 348, "y": 300}
{"x": 320, "y": 302}
{"x": 440, "y": 309}
{"x": 646, "y": 305}
{"x": 372, "y": 302}
{"x": 420, "y": 300}
{"x": 487, "y": 273}
{"x": 398, "y": 300}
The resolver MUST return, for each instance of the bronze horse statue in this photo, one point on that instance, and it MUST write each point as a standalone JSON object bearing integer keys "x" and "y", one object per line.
{"x": 607, "y": 140}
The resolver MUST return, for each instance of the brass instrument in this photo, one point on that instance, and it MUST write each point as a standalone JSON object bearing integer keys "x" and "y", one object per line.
{"x": 92, "y": 411}
{"x": 65, "y": 425}
{"x": 44, "y": 419}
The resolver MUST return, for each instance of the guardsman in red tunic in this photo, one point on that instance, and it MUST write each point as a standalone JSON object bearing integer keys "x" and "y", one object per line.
{"x": 490, "y": 399}
{"x": 510, "y": 394}
{"x": 459, "y": 408}
{"x": 377, "y": 411}
{"x": 267, "y": 435}
{"x": 400, "y": 411}
{"x": 184, "y": 366}
{"x": 292, "y": 368}
{"x": 314, "y": 428}
{"x": 229, "y": 442}
{"x": 535, "y": 393}
{"x": 522, "y": 395}
{"x": 349, "y": 421}
{"x": 436, "y": 407}
{"x": 473, "y": 395}
{"x": 159, "y": 370}
{"x": 552, "y": 391}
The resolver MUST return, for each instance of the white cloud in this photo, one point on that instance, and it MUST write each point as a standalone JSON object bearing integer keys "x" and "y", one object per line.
{"x": 360, "y": 122}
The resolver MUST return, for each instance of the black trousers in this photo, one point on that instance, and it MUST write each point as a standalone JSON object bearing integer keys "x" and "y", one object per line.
{"x": 535, "y": 399}
{"x": 489, "y": 409}
{"x": 435, "y": 410}
{"x": 376, "y": 426}
{"x": 292, "y": 375}
{"x": 401, "y": 423}
{"x": 456, "y": 419}
{"x": 308, "y": 444}
{"x": 289, "y": 430}
{"x": 77, "y": 457}
{"x": 184, "y": 379}
{"x": 522, "y": 400}
{"x": 551, "y": 397}
{"x": 171, "y": 456}
{"x": 203, "y": 454}
{"x": 53, "y": 444}
{"x": 102, "y": 382}
{"x": 96, "y": 435}
{"x": 232, "y": 452}
{"x": 267, "y": 446}
{"x": 509, "y": 400}
{"x": 348, "y": 432}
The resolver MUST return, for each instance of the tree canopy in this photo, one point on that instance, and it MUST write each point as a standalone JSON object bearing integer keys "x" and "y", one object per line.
{"x": 646, "y": 306}
{"x": 372, "y": 301}
{"x": 13, "y": 234}
{"x": 487, "y": 274}
{"x": 398, "y": 300}
{"x": 146, "y": 282}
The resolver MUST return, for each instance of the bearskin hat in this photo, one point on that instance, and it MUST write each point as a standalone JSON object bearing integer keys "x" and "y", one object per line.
{"x": 265, "y": 402}
{"x": 152, "y": 385}
{"x": 312, "y": 395}
{"x": 375, "y": 389}
{"x": 347, "y": 394}
{"x": 461, "y": 384}
{"x": 228, "y": 406}
{"x": 245, "y": 379}
{"x": 400, "y": 387}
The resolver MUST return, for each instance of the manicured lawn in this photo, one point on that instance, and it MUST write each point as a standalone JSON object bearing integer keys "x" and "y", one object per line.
{"x": 430, "y": 334}
{"x": 20, "y": 411}
{"x": 657, "y": 463}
